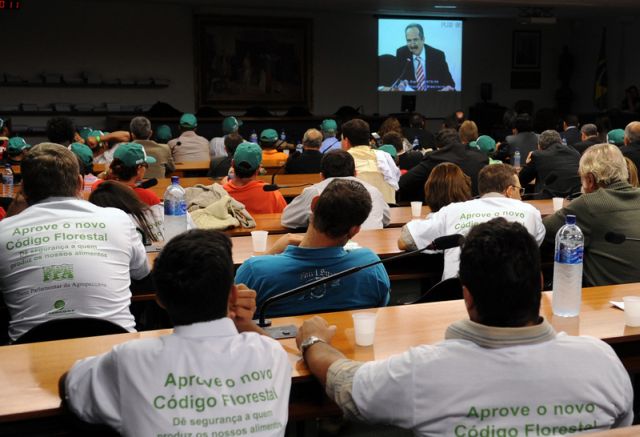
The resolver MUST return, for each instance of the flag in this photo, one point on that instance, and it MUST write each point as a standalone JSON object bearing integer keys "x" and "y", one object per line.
{"x": 601, "y": 82}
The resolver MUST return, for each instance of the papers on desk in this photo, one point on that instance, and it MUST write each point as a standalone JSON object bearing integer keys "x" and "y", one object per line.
{"x": 351, "y": 245}
{"x": 617, "y": 304}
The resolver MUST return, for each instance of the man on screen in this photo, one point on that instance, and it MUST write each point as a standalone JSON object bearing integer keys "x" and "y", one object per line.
{"x": 420, "y": 66}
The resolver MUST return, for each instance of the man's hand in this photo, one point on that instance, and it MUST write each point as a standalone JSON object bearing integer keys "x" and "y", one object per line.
{"x": 529, "y": 157}
{"x": 241, "y": 309}
{"x": 284, "y": 241}
{"x": 315, "y": 326}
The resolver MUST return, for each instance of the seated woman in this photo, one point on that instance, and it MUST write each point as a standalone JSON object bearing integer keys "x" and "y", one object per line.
{"x": 447, "y": 184}
{"x": 128, "y": 166}
{"x": 148, "y": 220}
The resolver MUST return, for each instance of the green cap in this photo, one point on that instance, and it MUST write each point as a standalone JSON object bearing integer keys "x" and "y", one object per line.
{"x": 163, "y": 133}
{"x": 616, "y": 137}
{"x": 85, "y": 132}
{"x": 484, "y": 143}
{"x": 189, "y": 121}
{"x": 248, "y": 156}
{"x": 268, "y": 135}
{"x": 83, "y": 152}
{"x": 391, "y": 150}
{"x": 17, "y": 145}
{"x": 230, "y": 125}
{"x": 329, "y": 125}
{"x": 132, "y": 155}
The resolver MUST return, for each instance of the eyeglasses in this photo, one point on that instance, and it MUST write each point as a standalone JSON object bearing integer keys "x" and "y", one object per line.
{"x": 520, "y": 189}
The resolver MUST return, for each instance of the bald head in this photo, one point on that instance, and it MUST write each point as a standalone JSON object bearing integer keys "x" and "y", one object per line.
{"x": 632, "y": 132}
{"x": 312, "y": 139}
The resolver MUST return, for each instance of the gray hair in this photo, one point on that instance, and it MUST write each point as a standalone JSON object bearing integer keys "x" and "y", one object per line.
{"x": 549, "y": 138}
{"x": 312, "y": 138}
{"x": 140, "y": 127}
{"x": 606, "y": 163}
{"x": 589, "y": 130}
{"x": 632, "y": 131}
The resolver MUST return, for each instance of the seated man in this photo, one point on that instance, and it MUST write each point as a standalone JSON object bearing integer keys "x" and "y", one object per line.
{"x": 503, "y": 372}
{"x": 245, "y": 188}
{"x": 373, "y": 166}
{"x": 609, "y": 204}
{"x": 189, "y": 146}
{"x": 309, "y": 160}
{"x": 271, "y": 157}
{"x": 336, "y": 164}
{"x": 220, "y": 165}
{"x": 141, "y": 133}
{"x": 63, "y": 256}
{"x": 500, "y": 190}
{"x": 337, "y": 216}
{"x": 206, "y": 368}
{"x": 554, "y": 166}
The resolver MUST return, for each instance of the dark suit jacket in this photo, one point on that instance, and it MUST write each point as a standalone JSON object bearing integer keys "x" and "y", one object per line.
{"x": 470, "y": 161}
{"x": 571, "y": 135}
{"x": 632, "y": 151}
{"x": 556, "y": 159}
{"x": 437, "y": 73}
{"x": 524, "y": 142}
{"x": 306, "y": 162}
{"x": 426, "y": 138}
{"x": 584, "y": 145}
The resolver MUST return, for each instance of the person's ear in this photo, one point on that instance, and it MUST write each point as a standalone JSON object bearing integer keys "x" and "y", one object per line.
{"x": 353, "y": 231}
{"x": 80, "y": 185}
{"x": 314, "y": 202}
{"x": 231, "y": 302}
{"x": 469, "y": 303}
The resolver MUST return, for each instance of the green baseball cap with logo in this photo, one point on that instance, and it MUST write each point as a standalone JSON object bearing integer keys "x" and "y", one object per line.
{"x": 389, "y": 149}
{"x": 230, "y": 125}
{"x": 16, "y": 145}
{"x": 616, "y": 137}
{"x": 163, "y": 133}
{"x": 248, "y": 156}
{"x": 83, "y": 152}
{"x": 85, "y": 132}
{"x": 329, "y": 125}
{"x": 188, "y": 121}
{"x": 269, "y": 135}
{"x": 484, "y": 143}
{"x": 132, "y": 155}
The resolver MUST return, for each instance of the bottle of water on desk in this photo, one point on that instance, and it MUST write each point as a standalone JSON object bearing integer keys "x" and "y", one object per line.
{"x": 254, "y": 137}
{"x": 516, "y": 159}
{"x": 7, "y": 181}
{"x": 567, "y": 269}
{"x": 175, "y": 210}
{"x": 416, "y": 143}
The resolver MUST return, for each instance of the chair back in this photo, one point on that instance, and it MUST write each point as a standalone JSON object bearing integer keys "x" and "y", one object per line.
{"x": 70, "y": 327}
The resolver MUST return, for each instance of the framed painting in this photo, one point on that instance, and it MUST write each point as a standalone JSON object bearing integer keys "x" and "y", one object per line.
{"x": 526, "y": 50}
{"x": 252, "y": 61}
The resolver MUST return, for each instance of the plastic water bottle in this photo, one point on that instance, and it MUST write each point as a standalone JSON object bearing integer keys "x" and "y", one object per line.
{"x": 516, "y": 159}
{"x": 299, "y": 148}
{"x": 564, "y": 141}
{"x": 7, "y": 181}
{"x": 254, "y": 137}
{"x": 416, "y": 143}
{"x": 283, "y": 135}
{"x": 175, "y": 210}
{"x": 567, "y": 269}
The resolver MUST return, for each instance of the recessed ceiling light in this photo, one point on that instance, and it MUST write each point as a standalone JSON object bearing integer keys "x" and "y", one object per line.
{"x": 445, "y": 7}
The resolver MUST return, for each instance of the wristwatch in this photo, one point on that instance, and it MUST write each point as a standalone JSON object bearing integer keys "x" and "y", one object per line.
{"x": 308, "y": 342}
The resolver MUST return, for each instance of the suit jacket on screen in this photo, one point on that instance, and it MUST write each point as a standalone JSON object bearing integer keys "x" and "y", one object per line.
{"x": 436, "y": 66}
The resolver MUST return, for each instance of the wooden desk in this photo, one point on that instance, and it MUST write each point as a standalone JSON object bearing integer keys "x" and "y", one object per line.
{"x": 192, "y": 168}
{"x": 29, "y": 373}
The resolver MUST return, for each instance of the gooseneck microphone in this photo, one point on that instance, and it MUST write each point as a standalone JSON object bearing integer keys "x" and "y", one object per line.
{"x": 441, "y": 243}
{"x": 147, "y": 183}
{"x": 404, "y": 70}
{"x": 274, "y": 187}
{"x": 618, "y": 238}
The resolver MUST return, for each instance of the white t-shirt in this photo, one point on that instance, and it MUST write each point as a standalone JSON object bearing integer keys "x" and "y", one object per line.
{"x": 460, "y": 217}
{"x": 203, "y": 378}
{"x": 66, "y": 257}
{"x": 458, "y": 388}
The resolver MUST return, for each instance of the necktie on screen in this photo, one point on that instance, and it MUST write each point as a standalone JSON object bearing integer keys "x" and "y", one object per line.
{"x": 420, "y": 76}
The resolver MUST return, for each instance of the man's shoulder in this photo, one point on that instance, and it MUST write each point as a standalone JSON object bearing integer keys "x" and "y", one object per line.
{"x": 432, "y": 51}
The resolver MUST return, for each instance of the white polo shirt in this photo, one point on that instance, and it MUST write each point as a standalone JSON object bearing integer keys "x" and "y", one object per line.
{"x": 203, "y": 378}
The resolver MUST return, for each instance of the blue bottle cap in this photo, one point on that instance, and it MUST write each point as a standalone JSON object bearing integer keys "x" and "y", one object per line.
{"x": 175, "y": 180}
{"x": 571, "y": 219}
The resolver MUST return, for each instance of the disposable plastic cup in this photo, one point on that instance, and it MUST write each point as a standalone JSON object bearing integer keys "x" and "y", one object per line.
{"x": 558, "y": 203}
{"x": 416, "y": 209}
{"x": 259, "y": 240}
{"x": 631, "y": 310}
{"x": 365, "y": 328}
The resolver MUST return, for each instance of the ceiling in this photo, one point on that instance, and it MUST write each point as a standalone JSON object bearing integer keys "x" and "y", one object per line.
{"x": 458, "y": 8}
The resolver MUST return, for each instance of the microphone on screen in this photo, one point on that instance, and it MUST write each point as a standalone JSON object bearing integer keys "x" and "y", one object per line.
{"x": 274, "y": 187}
{"x": 147, "y": 183}
{"x": 441, "y": 243}
{"x": 618, "y": 238}
{"x": 404, "y": 70}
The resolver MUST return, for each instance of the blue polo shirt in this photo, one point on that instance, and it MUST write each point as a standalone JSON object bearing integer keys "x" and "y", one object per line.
{"x": 272, "y": 274}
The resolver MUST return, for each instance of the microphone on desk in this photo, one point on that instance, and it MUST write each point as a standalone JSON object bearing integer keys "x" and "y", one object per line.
{"x": 274, "y": 187}
{"x": 618, "y": 238}
{"x": 273, "y": 176}
{"x": 147, "y": 183}
{"x": 404, "y": 69}
{"x": 441, "y": 243}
